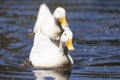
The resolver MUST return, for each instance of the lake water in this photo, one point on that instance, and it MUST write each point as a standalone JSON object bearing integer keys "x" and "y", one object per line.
{"x": 96, "y": 28}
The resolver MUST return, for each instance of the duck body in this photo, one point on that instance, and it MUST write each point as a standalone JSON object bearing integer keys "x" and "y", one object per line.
{"x": 46, "y": 54}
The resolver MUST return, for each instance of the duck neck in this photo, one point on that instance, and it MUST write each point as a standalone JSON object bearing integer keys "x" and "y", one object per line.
{"x": 63, "y": 48}
{"x": 59, "y": 24}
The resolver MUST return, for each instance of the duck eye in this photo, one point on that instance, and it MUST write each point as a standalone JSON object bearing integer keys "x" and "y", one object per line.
{"x": 65, "y": 34}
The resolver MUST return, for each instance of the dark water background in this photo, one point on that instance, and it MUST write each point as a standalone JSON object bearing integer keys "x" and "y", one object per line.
{"x": 96, "y": 28}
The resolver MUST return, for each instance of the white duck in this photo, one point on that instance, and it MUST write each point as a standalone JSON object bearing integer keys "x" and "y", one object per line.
{"x": 46, "y": 54}
{"x": 51, "y": 25}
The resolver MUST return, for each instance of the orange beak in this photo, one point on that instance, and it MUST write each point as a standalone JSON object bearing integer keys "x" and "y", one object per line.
{"x": 69, "y": 44}
{"x": 63, "y": 21}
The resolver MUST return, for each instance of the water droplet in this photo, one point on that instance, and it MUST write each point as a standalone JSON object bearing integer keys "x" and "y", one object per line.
{"x": 117, "y": 29}
{"x": 86, "y": 68}
{"x": 91, "y": 59}
{"x": 85, "y": 49}
{"x": 106, "y": 32}
{"x": 30, "y": 30}
{"x": 94, "y": 47}
{"x": 105, "y": 68}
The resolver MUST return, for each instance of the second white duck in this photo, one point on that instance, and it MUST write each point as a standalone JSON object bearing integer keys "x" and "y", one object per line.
{"x": 51, "y": 25}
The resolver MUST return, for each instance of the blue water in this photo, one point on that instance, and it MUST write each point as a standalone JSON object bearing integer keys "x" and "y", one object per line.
{"x": 96, "y": 28}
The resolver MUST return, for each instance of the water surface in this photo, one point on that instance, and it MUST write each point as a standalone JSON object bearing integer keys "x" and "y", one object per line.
{"x": 96, "y": 28}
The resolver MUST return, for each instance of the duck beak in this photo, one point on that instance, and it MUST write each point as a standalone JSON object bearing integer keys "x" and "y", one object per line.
{"x": 69, "y": 44}
{"x": 63, "y": 22}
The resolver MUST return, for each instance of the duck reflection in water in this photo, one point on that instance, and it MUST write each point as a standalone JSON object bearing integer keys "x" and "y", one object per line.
{"x": 58, "y": 74}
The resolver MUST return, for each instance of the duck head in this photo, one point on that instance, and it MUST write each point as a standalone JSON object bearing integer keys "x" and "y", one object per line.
{"x": 66, "y": 39}
{"x": 60, "y": 15}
